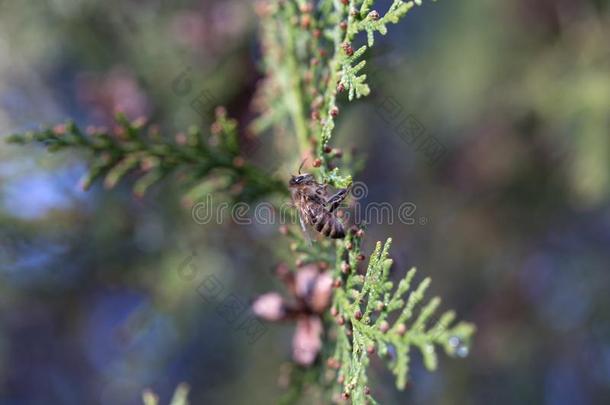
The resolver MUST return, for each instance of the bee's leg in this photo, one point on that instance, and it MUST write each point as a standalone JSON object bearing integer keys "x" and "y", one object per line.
{"x": 323, "y": 190}
{"x": 333, "y": 202}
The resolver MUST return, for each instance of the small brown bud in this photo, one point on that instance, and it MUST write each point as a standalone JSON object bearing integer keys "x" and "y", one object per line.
{"x": 347, "y": 48}
{"x": 315, "y": 115}
{"x": 334, "y": 112}
{"x": 147, "y": 164}
{"x": 316, "y": 103}
{"x": 220, "y": 112}
{"x": 360, "y": 233}
{"x": 380, "y": 306}
{"x": 305, "y": 21}
{"x": 327, "y": 149}
{"x": 337, "y": 283}
{"x": 374, "y": 15}
{"x": 358, "y": 314}
{"x": 349, "y": 245}
{"x": 367, "y": 391}
{"x": 361, "y": 257}
{"x": 345, "y": 268}
{"x": 401, "y": 329}
{"x": 59, "y": 129}
{"x": 337, "y": 152}
{"x": 215, "y": 128}
{"x": 384, "y": 327}
{"x": 345, "y": 2}
{"x": 340, "y": 88}
{"x": 370, "y": 349}
{"x": 341, "y": 320}
{"x": 343, "y": 25}
{"x": 333, "y": 363}
{"x": 345, "y": 396}
{"x": 262, "y": 8}
{"x": 334, "y": 311}
{"x": 308, "y": 76}
{"x": 306, "y": 7}
{"x": 239, "y": 161}
{"x": 283, "y": 271}
{"x": 317, "y": 163}
{"x": 353, "y": 12}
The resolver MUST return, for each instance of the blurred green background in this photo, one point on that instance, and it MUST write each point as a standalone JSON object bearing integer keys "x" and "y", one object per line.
{"x": 94, "y": 306}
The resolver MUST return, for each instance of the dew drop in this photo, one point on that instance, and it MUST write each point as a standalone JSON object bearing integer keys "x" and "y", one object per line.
{"x": 454, "y": 341}
{"x": 460, "y": 348}
{"x": 462, "y": 351}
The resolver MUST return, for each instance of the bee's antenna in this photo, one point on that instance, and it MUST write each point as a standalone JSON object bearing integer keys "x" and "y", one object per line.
{"x": 302, "y": 163}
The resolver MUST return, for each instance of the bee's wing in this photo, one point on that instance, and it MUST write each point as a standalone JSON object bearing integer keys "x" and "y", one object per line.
{"x": 304, "y": 228}
{"x": 301, "y": 210}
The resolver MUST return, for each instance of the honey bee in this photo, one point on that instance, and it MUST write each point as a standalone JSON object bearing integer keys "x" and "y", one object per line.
{"x": 316, "y": 207}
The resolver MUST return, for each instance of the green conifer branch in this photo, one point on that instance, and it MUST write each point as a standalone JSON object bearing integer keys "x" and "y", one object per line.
{"x": 133, "y": 148}
{"x": 369, "y": 314}
{"x": 346, "y": 66}
{"x": 363, "y": 306}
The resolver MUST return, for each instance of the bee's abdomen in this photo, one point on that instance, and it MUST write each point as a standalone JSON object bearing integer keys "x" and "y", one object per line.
{"x": 328, "y": 225}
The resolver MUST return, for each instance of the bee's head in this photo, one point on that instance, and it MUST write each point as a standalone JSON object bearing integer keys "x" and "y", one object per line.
{"x": 301, "y": 179}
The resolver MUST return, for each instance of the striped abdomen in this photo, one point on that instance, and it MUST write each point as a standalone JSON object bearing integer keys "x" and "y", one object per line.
{"x": 327, "y": 224}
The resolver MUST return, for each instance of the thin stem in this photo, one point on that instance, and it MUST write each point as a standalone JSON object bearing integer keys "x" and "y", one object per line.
{"x": 295, "y": 93}
{"x": 330, "y": 95}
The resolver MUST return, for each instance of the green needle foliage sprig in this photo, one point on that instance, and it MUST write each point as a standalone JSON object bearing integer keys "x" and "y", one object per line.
{"x": 311, "y": 59}
{"x": 357, "y": 16}
{"x": 132, "y": 147}
{"x": 378, "y": 317}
